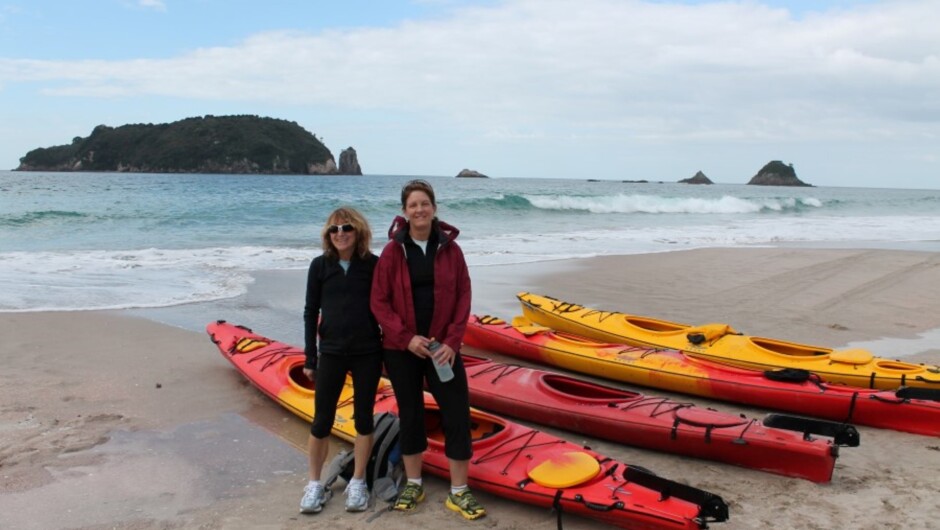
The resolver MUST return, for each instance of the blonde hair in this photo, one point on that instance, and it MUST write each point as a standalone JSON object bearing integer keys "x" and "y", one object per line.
{"x": 347, "y": 215}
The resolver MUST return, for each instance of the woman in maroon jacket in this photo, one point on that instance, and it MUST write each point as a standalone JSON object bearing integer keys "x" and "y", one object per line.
{"x": 420, "y": 292}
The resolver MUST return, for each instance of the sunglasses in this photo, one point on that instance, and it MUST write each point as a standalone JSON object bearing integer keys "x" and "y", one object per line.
{"x": 340, "y": 228}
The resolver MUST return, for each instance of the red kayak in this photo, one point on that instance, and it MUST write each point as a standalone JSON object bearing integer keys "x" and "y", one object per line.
{"x": 509, "y": 459}
{"x": 653, "y": 422}
{"x": 912, "y": 410}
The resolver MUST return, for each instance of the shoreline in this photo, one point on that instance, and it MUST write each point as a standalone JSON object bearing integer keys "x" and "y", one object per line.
{"x": 131, "y": 420}
{"x": 694, "y": 293}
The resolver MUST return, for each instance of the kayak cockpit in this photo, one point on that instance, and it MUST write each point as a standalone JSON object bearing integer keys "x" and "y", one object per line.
{"x": 482, "y": 426}
{"x": 582, "y": 391}
{"x": 298, "y": 379}
{"x": 654, "y": 324}
{"x": 900, "y": 366}
{"x": 790, "y": 349}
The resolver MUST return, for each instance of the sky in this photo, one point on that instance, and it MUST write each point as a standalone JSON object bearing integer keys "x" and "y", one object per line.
{"x": 848, "y": 92}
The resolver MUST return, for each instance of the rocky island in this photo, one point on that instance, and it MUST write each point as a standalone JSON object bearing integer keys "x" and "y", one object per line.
{"x": 210, "y": 144}
{"x": 698, "y": 178}
{"x": 471, "y": 174}
{"x": 776, "y": 173}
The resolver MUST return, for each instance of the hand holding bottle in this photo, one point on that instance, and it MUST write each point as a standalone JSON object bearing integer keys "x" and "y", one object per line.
{"x": 444, "y": 371}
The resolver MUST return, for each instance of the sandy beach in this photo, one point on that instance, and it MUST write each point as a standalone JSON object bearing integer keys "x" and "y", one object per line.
{"x": 114, "y": 420}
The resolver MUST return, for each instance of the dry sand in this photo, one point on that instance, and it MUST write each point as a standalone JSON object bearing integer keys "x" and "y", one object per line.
{"x": 111, "y": 421}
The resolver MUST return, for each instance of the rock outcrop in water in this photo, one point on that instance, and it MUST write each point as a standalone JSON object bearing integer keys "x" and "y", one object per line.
{"x": 210, "y": 144}
{"x": 349, "y": 162}
{"x": 699, "y": 178}
{"x": 776, "y": 173}
{"x": 471, "y": 174}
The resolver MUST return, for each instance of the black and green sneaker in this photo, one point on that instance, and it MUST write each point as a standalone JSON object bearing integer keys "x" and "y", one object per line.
{"x": 409, "y": 498}
{"x": 465, "y": 504}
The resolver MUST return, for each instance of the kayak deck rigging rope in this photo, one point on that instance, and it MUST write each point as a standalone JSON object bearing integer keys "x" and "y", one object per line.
{"x": 527, "y": 443}
{"x": 502, "y": 370}
{"x": 270, "y": 357}
{"x": 660, "y": 405}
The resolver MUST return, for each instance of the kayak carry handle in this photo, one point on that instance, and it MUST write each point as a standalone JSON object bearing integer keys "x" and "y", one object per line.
{"x": 841, "y": 433}
{"x": 928, "y": 394}
{"x": 598, "y": 507}
{"x": 712, "y": 508}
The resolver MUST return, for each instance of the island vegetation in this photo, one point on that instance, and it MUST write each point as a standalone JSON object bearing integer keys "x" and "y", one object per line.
{"x": 209, "y": 144}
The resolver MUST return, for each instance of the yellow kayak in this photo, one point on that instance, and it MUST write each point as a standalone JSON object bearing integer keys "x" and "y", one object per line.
{"x": 721, "y": 343}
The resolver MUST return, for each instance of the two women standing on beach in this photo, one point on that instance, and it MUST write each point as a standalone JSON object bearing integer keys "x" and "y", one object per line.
{"x": 337, "y": 309}
{"x": 420, "y": 293}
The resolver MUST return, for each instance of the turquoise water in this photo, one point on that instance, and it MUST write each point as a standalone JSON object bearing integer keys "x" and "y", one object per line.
{"x": 106, "y": 240}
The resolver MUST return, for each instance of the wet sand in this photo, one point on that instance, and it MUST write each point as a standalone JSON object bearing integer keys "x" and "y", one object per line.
{"x": 110, "y": 420}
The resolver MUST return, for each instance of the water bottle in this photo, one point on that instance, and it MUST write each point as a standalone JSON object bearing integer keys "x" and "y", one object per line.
{"x": 444, "y": 370}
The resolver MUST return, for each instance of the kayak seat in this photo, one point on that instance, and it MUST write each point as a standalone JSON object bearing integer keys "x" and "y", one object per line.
{"x": 851, "y": 356}
{"x": 563, "y": 469}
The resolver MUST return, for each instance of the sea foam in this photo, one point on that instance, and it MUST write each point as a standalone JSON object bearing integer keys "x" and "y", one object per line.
{"x": 655, "y": 204}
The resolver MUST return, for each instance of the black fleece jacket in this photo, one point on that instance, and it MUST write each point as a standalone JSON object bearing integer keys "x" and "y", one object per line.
{"x": 340, "y": 301}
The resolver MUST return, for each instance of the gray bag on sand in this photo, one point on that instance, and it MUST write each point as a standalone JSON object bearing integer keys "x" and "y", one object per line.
{"x": 384, "y": 470}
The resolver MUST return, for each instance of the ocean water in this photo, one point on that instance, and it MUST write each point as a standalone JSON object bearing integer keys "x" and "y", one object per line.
{"x": 73, "y": 241}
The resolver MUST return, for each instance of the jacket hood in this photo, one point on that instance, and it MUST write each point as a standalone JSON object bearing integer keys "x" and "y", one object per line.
{"x": 399, "y": 229}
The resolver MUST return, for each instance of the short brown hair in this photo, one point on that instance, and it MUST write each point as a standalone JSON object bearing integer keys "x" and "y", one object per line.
{"x": 417, "y": 185}
{"x": 347, "y": 215}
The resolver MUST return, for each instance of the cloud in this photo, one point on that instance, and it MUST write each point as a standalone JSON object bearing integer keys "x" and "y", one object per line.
{"x": 157, "y": 5}
{"x": 525, "y": 69}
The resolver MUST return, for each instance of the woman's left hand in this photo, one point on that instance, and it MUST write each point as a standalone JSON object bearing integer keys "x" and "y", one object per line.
{"x": 446, "y": 354}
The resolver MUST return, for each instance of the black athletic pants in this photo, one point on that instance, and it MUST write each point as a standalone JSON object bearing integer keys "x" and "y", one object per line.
{"x": 330, "y": 379}
{"x": 408, "y": 373}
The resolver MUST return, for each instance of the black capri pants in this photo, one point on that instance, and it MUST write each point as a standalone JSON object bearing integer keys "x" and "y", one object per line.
{"x": 408, "y": 372}
{"x": 330, "y": 379}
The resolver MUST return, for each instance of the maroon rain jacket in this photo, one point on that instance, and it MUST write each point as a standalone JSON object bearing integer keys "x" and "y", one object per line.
{"x": 392, "y": 302}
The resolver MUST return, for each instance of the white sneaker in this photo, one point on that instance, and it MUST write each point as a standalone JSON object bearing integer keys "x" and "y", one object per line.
{"x": 357, "y": 496}
{"x": 314, "y": 498}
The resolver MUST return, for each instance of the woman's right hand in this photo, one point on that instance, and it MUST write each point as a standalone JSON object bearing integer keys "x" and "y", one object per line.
{"x": 419, "y": 346}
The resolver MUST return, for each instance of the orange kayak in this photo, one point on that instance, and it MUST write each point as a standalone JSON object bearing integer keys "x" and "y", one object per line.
{"x": 509, "y": 459}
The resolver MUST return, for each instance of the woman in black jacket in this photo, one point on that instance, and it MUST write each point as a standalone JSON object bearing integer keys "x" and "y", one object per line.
{"x": 337, "y": 309}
